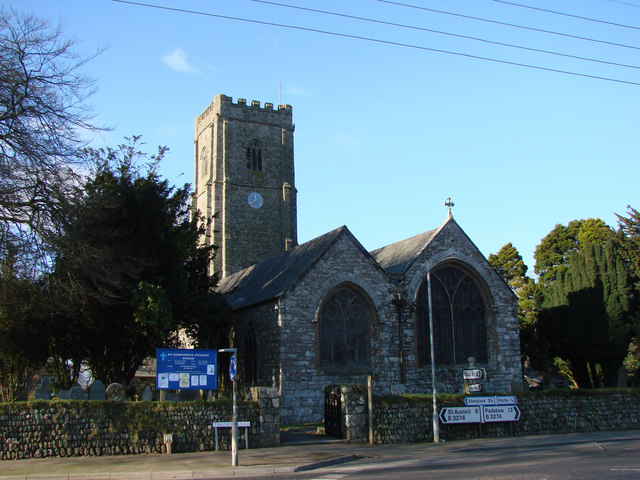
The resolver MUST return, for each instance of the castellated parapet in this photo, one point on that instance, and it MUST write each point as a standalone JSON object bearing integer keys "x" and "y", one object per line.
{"x": 224, "y": 105}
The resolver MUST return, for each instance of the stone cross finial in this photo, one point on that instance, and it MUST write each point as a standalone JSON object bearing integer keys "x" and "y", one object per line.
{"x": 449, "y": 204}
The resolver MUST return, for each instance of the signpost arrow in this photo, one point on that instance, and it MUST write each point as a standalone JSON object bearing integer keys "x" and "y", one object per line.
{"x": 460, "y": 415}
{"x": 500, "y": 413}
{"x": 506, "y": 400}
{"x": 469, "y": 401}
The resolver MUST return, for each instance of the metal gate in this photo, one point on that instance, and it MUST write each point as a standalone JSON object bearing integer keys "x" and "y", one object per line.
{"x": 333, "y": 411}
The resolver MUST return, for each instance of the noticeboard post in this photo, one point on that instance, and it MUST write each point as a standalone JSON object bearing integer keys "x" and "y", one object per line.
{"x": 186, "y": 369}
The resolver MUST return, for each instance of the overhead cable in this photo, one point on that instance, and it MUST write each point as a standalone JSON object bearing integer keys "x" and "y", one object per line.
{"x": 550, "y": 32}
{"x": 376, "y": 40}
{"x": 468, "y": 37}
{"x": 567, "y": 14}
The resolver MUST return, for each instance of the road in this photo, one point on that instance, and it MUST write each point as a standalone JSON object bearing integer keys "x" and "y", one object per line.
{"x": 594, "y": 460}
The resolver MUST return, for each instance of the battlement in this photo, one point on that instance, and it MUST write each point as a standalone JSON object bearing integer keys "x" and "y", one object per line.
{"x": 224, "y": 105}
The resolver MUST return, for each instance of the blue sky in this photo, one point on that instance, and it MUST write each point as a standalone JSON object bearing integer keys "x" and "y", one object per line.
{"x": 385, "y": 133}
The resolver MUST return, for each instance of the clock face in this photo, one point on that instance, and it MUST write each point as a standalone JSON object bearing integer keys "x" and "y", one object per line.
{"x": 255, "y": 200}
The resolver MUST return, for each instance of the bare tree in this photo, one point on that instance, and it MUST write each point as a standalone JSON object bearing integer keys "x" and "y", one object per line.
{"x": 43, "y": 118}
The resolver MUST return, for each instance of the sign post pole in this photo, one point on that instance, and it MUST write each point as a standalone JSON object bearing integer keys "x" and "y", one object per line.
{"x": 234, "y": 415}
{"x": 435, "y": 423}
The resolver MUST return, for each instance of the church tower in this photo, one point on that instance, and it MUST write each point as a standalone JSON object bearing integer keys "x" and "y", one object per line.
{"x": 244, "y": 181}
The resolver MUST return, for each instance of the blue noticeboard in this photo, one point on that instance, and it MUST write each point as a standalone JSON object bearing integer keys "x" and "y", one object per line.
{"x": 186, "y": 369}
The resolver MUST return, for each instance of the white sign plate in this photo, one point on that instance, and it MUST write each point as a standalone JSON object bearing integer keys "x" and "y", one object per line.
{"x": 474, "y": 388}
{"x": 229, "y": 424}
{"x": 460, "y": 415}
{"x": 473, "y": 374}
{"x": 500, "y": 413}
{"x": 469, "y": 401}
{"x": 506, "y": 400}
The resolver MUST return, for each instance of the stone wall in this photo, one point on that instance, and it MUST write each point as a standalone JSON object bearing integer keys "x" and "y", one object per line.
{"x": 408, "y": 418}
{"x": 80, "y": 428}
{"x": 303, "y": 376}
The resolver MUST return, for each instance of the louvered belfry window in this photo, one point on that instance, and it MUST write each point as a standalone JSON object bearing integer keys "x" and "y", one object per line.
{"x": 254, "y": 156}
{"x": 344, "y": 321}
{"x": 459, "y": 319}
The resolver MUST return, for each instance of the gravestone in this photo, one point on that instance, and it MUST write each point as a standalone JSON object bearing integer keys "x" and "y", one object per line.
{"x": 77, "y": 393}
{"x": 115, "y": 393}
{"x": 43, "y": 393}
{"x": 97, "y": 391}
{"x": 147, "y": 394}
{"x": 63, "y": 395}
{"x": 188, "y": 395}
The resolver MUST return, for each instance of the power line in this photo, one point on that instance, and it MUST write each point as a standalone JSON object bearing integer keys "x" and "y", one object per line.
{"x": 567, "y": 14}
{"x": 413, "y": 27}
{"x": 551, "y": 32}
{"x": 375, "y": 40}
{"x": 625, "y": 3}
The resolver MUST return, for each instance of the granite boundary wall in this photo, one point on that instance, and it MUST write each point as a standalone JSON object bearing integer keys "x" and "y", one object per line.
{"x": 408, "y": 418}
{"x": 82, "y": 428}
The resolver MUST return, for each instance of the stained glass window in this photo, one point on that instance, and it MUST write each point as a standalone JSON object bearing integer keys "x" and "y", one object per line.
{"x": 459, "y": 318}
{"x": 344, "y": 320}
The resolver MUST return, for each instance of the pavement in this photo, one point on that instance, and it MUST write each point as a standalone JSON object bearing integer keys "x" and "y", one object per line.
{"x": 298, "y": 453}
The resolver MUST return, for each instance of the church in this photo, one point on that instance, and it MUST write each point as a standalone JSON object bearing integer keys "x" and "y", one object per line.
{"x": 328, "y": 311}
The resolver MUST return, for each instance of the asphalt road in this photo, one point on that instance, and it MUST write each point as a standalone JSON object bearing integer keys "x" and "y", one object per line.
{"x": 594, "y": 460}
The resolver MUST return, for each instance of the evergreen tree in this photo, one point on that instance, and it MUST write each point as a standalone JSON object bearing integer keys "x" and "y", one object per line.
{"x": 588, "y": 314}
{"x": 129, "y": 270}
{"x": 509, "y": 265}
{"x": 23, "y": 327}
{"x": 553, "y": 253}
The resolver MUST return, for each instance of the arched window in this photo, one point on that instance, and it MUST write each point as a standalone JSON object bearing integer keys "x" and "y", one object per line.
{"x": 345, "y": 320}
{"x": 254, "y": 156}
{"x": 459, "y": 318}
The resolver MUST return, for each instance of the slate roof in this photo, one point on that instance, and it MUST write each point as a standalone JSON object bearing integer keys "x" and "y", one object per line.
{"x": 397, "y": 257}
{"x": 272, "y": 277}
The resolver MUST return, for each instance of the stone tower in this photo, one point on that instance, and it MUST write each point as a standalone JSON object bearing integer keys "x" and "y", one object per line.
{"x": 244, "y": 181}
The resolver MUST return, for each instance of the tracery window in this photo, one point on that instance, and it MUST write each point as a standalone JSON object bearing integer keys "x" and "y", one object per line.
{"x": 459, "y": 319}
{"x": 345, "y": 319}
{"x": 254, "y": 156}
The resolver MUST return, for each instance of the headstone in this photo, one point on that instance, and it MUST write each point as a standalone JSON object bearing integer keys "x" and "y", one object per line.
{"x": 147, "y": 394}
{"x": 171, "y": 397}
{"x": 77, "y": 393}
{"x": 97, "y": 391}
{"x": 43, "y": 393}
{"x": 188, "y": 395}
{"x": 399, "y": 389}
{"x": 63, "y": 394}
{"x": 115, "y": 393}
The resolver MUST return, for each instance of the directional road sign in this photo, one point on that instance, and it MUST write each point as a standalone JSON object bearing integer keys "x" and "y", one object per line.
{"x": 500, "y": 413}
{"x": 506, "y": 400}
{"x": 460, "y": 415}
{"x": 470, "y": 401}
{"x": 473, "y": 374}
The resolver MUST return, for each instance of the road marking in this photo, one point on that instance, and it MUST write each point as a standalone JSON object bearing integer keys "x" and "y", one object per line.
{"x": 330, "y": 477}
